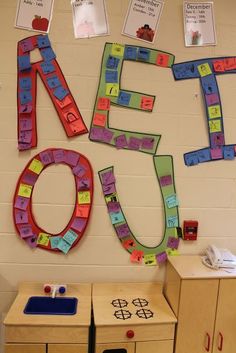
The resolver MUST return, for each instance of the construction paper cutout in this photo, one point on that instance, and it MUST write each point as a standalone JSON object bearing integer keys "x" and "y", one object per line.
{"x": 173, "y": 243}
{"x": 121, "y": 141}
{"x": 117, "y": 49}
{"x": 204, "y": 69}
{"x": 59, "y": 156}
{"x": 172, "y": 252}
{"x": 150, "y": 260}
{"x": 48, "y": 54}
{"x": 110, "y": 93}
{"x": 112, "y": 89}
{"x": 124, "y": 98}
{"x": 21, "y": 217}
{"x": 130, "y": 53}
{"x": 79, "y": 170}
{"x": 163, "y": 166}
{"x": 25, "y": 124}
{"x": 166, "y": 180}
{"x": 25, "y": 231}
{"x": 43, "y": 42}
{"x": 36, "y": 166}
{"x": 25, "y": 190}
{"x": 78, "y": 224}
{"x": 43, "y": 239}
{"x": 111, "y": 76}
{"x": 171, "y": 201}
{"x": 163, "y": 60}
{"x": 24, "y": 220}
{"x": 207, "y": 69}
{"x": 64, "y": 246}
{"x": 162, "y": 257}
{"x": 214, "y": 111}
{"x": 100, "y": 119}
{"x": 112, "y": 62}
{"x": 84, "y": 197}
{"x": 172, "y": 221}
{"x": 53, "y": 81}
{"x": 136, "y": 256}
{"x": 108, "y": 189}
{"x": 25, "y": 83}
{"x": 216, "y": 153}
{"x": 24, "y": 62}
{"x": 70, "y": 236}
{"x": 229, "y": 152}
{"x": 25, "y": 97}
{"x": 55, "y": 84}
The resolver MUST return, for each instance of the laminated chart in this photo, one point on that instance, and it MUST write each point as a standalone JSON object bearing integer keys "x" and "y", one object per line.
{"x": 25, "y": 224}
{"x": 55, "y": 84}
{"x": 206, "y": 71}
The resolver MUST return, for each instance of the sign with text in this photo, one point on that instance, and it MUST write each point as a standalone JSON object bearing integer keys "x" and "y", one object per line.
{"x": 89, "y": 18}
{"x": 34, "y": 15}
{"x": 199, "y": 24}
{"x": 142, "y": 19}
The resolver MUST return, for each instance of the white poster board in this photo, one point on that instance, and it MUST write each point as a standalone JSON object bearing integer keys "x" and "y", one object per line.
{"x": 142, "y": 19}
{"x": 199, "y": 24}
{"x": 34, "y": 15}
{"x": 89, "y": 18}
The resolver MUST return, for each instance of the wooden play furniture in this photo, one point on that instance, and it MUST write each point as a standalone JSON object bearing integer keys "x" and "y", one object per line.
{"x": 48, "y": 333}
{"x": 203, "y": 300}
{"x": 132, "y": 318}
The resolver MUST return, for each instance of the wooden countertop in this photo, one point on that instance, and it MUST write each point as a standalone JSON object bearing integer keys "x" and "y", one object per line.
{"x": 82, "y": 292}
{"x": 191, "y": 267}
{"x": 107, "y": 295}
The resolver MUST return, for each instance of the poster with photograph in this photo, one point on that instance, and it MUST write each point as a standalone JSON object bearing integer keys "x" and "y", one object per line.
{"x": 89, "y": 18}
{"x": 34, "y": 15}
{"x": 142, "y": 19}
{"x": 199, "y": 24}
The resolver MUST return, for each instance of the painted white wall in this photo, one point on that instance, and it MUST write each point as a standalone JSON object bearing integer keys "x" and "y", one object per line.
{"x": 207, "y": 192}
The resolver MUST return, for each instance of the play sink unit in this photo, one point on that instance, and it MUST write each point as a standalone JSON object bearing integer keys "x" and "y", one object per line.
{"x": 48, "y": 321}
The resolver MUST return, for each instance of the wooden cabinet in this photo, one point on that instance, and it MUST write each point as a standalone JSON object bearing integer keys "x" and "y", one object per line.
{"x": 132, "y": 318}
{"x": 25, "y": 348}
{"x": 204, "y": 303}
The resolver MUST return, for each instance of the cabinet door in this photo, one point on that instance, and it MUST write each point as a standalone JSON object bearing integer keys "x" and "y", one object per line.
{"x": 25, "y": 348}
{"x": 197, "y": 310}
{"x": 155, "y": 347}
{"x": 115, "y": 347}
{"x": 225, "y": 327}
{"x": 67, "y": 348}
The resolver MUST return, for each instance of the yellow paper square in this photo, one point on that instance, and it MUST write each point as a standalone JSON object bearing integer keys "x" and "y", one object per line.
{"x": 172, "y": 252}
{"x": 25, "y": 190}
{"x": 43, "y": 239}
{"x": 214, "y": 111}
{"x": 117, "y": 49}
{"x": 84, "y": 197}
{"x": 112, "y": 89}
{"x": 204, "y": 69}
{"x": 36, "y": 166}
{"x": 150, "y": 260}
{"x": 215, "y": 125}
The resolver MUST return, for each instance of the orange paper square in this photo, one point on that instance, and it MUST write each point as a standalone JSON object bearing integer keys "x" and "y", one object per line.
{"x": 147, "y": 103}
{"x": 162, "y": 60}
{"x": 103, "y": 103}
{"x": 100, "y": 119}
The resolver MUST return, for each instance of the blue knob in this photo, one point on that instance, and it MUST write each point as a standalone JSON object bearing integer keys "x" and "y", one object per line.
{"x": 62, "y": 290}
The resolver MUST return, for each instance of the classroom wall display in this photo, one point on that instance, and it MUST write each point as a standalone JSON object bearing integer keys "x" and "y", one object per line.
{"x": 55, "y": 84}
{"x": 110, "y": 93}
{"x": 206, "y": 71}
{"x": 138, "y": 252}
{"x": 142, "y": 19}
{"x": 199, "y": 24}
{"x": 34, "y": 15}
{"x": 89, "y": 18}
{"x": 24, "y": 220}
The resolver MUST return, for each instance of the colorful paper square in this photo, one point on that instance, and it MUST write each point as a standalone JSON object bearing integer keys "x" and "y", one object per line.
{"x": 204, "y": 69}
{"x": 112, "y": 89}
{"x": 117, "y": 217}
{"x": 46, "y": 157}
{"x": 229, "y": 152}
{"x": 147, "y": 103}
{"x": 70, "y": 236}
{"x": 218, "y": 66}
{"x": 166, "y": 180}
{"x": 63, "y": 246}
{"x": 24, "y": 62}
{"x": 25, "y": 190}
{"x": 36, "y": 166}
{"x": 107, "y": 177}
{"x": 173, "y": 243}
{"x": 103, "y": 103}
{"x": 84, "y": 197}
{"x": 124, "y": 98}
{"x": 136, "y": 256}
{"x": 215, "y": 125}
{"x": 82, "y": 211}
{"x": 150, "y": 260}
{"x": 53, "y": 81}
{"x": 43, "y": 239}
{"x": 111, "y": 76}
{"x": 162, "y": 257}
{"x": 121, "y": 141}
{"x": 143, "y": 54}
{"x": 216, "y": 153}
{"x": 43, "y": 41}
{"x": 172, "y": 221}
{"x": 47, "y": 67}
{"x": 25, "y": 83}
{"x": 48, "y": 54}
{"x": 130, "y": 53}
{"x": 54, "y": 241}
{"x": 214, "y": 111}
{"x": 171, "y": 201}
{"x": 112, "y": 62}
{"x": 100, "y": 119}
{"x": 117, "y": 49}
{"x": 25, "y": 97}
{"x": 162, "y": 60}
{"x": 60, "y": 92}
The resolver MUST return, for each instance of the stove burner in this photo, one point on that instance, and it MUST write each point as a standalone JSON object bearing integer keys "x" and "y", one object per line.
{"x": 122, "y": 314}
{"x": 144, "y": 313}
{"x": 119, "y": 303}
{"x": 140, "y": 302}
